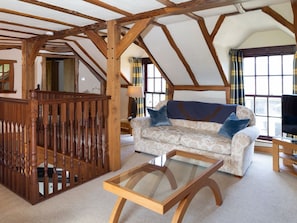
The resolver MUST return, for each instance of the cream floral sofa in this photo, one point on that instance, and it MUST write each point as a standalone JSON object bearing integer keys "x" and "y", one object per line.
{"x": 199, "y": 137}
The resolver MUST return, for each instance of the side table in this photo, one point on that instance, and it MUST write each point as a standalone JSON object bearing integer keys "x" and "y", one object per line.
{"x": 284, "y": 151}
{"x": 125, "y": 126}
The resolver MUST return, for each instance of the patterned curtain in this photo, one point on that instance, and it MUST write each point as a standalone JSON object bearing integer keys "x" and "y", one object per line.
{"x": 137, "y": 80}
{"x": 295, "y": 74}
{"x": 236, "y": 81}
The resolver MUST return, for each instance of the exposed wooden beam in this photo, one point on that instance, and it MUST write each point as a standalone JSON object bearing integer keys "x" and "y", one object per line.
{"x": 109, "y": 7}
{"x": 36, "y": 17}
{"x": 217, "y": 26}
{"x": 98, "y": 41}
{"x": 132, "y": 34}
{"x": 113, "y": 90}
{"x": 18, "y": 31}
{"x": 294, "y": 9}
{"x": 64, "y": 10}
{"x": 180, "y": 55}
{"x": 90, "y": 57}
{"x": 143, "y": 46}
{"x": 279, "y": 18}
{"x": 181, "y": 8}
{"x": 74, "y": 31}
{"x": 30, "y": 49}
{"x": 26, "y": 26}
{"x": 212, "y": 50}
{"x": 91, "y": 69}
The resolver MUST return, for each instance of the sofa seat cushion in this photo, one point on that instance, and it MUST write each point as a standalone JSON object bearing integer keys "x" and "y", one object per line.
{"x": 164, "y": 134}
{"x": 189, "y": 137}
{"x": 208, "y": 141}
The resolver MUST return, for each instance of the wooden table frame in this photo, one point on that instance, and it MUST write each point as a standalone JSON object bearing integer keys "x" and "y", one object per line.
{"x": 183, "y": 196}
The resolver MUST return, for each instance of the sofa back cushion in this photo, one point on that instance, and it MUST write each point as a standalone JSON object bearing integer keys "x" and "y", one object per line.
{"x": 199, "y": 111}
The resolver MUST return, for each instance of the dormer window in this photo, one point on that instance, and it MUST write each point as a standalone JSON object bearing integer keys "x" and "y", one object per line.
{"x": 7, "y": 76}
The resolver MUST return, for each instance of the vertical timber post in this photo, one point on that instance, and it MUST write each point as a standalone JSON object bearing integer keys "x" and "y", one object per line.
{"x": 113, "y": 90}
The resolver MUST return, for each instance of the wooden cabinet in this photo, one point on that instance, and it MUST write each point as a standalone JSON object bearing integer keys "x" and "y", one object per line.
{"x": 284, "y": 152}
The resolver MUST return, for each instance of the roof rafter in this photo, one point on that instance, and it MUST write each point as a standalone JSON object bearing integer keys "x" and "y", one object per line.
{"x": 36, "y": 17}
{"x": 64, "y": 10}
{"x": 181, "y": 8}
{"x": 180, "y": 55}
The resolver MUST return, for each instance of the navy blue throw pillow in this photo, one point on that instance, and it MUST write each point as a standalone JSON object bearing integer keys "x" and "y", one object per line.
{"x": 159, "y": 117}
{"x": 232, "y": 125}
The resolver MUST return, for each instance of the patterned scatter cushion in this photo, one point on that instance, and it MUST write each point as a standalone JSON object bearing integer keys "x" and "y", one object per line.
{"x": 232, "y": 125}
{"x": 159, "y": 117}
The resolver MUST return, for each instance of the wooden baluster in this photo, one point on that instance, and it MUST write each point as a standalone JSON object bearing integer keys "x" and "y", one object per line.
{"x": 46, "y": 143}
{"x": 9, "y": 155}
{"x": 92, "y": 137}
{"x": 99, "y": 133}
{"x": 78, "y": 139}
{"x": 71, "y": 141}
{"x": 86, "y": 132}
{"x": 55, "y": 146}
{"x": 63, "y": 142}
{"x": 105, "y": 133}
{"x": 14, "y": 156}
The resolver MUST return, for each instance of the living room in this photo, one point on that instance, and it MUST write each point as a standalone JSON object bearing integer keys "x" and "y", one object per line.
{"x": 204, "y": 67}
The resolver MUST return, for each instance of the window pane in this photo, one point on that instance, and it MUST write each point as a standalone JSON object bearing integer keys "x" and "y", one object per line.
{"x": 149, "y": 100}
{"x": 275, "y": 86}
{"x": 6, "y": 68}
{"x": 261, "y": 106}
{"x": 158, "y": 85}
{"x": 157, "y": 73}
{"x": 150, "y": 70}
{"x": 275, "y": 65}
{"x": 262, "y": 125}
{"x": 275, "y": 128}
{"x": 275, "y": 107}
{"x": 249, "y": 66}
{"x": 249, "y": 85}
{"x": 150, "y": 85}
{"x": 288, "y": 85}
{"x": 261, "y": 66}
{"x": 288, "y": 64}
{"x": 156, "y": 99}
{"x": 163, "y": 85}
{"x": 249, "y": 102}
{"x": 262, "y": 85}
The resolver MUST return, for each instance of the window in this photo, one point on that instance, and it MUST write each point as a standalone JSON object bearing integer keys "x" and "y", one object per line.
{"x": 6, "y": 76}
{"x": 268, "y": 73}
{"x": 154, "y": 84}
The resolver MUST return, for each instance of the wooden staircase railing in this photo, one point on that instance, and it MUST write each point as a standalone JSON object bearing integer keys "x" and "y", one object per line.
{"x": 52, "y": 142}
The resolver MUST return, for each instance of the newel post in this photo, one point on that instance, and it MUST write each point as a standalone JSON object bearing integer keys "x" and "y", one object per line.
{"x": 34, "y": 189}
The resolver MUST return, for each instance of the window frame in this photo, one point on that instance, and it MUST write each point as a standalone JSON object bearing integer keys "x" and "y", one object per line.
{"x": 145, "y": 63}
{"x": 267, "y": 51}
{"x": 10, "y": 76}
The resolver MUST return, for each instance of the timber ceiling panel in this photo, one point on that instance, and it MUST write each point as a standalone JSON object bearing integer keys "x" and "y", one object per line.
{"x": 184, "y": 37}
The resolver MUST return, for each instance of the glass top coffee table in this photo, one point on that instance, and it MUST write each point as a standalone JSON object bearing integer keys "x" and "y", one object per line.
{"x": 164, "y": 181}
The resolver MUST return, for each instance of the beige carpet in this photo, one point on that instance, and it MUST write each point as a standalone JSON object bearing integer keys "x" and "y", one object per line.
{"x": 261, "y": 196}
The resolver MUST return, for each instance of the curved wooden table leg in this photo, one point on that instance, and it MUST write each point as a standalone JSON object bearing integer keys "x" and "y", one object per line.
{"x": 184, "y": 204}
{"x": 117, "y": 209}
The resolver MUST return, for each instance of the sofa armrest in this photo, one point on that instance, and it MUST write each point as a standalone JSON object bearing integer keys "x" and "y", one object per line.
{"x": 137, "y": 125}
{"x": 251, "y": 131}
{"x": 140, "y": 122}
{"x": 244, "y": 138}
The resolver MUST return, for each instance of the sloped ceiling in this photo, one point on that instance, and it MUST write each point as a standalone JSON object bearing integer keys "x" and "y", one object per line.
{"x": 187, "y": 40}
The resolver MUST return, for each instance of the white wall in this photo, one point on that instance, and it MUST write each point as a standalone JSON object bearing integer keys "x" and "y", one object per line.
{"x": 87, "y": 82}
